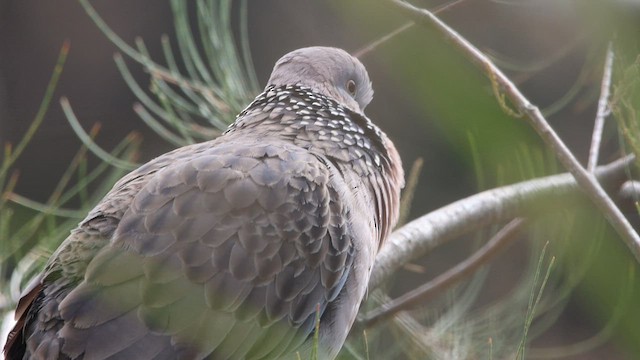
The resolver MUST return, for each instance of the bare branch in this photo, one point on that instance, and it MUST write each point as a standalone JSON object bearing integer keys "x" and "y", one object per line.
{"x": 374, "y": 44}
{"x": 586, "y": 180}
{"x": 464, "y": 269}
{"x": 424, "y": 234}
{"x": 630, "y": 190}
{"x": 603, "y": 110}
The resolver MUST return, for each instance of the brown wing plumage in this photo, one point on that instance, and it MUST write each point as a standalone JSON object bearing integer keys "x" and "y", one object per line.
{"x": 234, "y": 239}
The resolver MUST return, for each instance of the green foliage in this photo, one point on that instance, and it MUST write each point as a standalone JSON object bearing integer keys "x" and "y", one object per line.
{"x": 197, "y": 94}
{"x": 531, "y": 307}
{"x": 625, "y": 104}
{"x": 29, "y": 231}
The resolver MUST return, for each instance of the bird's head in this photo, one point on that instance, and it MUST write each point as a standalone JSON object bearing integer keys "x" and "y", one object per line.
{"x": 329, "y": 71}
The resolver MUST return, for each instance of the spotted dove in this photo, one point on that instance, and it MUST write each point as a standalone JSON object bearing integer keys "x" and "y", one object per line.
{"x": 231, "y": 248}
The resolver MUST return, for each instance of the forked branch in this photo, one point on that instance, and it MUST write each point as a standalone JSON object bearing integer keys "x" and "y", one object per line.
{"x": 587, "y": 181}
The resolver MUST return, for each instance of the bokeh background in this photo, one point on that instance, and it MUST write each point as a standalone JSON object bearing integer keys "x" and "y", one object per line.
{"x": 430, "y": 100}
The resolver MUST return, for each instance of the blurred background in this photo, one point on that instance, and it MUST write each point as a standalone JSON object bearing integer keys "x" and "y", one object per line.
{"x": 430, "y": 100}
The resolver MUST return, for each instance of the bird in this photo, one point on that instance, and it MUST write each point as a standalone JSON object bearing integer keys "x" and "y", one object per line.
{"x": 257, "y": 244}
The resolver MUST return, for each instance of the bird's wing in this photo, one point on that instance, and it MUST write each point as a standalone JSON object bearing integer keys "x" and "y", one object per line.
{"x": 34, "y": 336}
{"x": 37, "y": 314}
{"x": 212, "y": 251}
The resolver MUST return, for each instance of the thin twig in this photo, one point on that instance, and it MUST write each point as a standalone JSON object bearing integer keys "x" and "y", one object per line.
{"x": 463, "y": 270}
{"x": 11, "y": 153}
{"x": 374, "y": 44}
{"x": 603, "y": 110}
{"x": 586, "y": 180}
{"x": 429, "y": 231}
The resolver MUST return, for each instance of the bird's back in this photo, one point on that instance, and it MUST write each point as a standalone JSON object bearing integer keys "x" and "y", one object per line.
{"x": 231, "y": 248}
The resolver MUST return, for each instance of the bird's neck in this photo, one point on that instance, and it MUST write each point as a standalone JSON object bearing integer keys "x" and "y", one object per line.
{"x": 316, "y": 122}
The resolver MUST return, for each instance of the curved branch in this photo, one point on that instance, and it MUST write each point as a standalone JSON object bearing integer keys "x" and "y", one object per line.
{"x": 425, "y": 233}
{"x": 484, "y": 255}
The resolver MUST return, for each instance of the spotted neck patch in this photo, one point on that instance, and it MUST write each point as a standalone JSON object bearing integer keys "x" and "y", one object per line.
{"x": 315, "y": 121}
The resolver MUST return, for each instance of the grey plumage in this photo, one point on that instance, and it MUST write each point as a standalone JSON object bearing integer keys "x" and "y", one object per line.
{"x": 229, "y": 248}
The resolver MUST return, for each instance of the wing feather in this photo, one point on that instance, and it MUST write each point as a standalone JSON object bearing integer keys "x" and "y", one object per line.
{"x": 212, "y": 251}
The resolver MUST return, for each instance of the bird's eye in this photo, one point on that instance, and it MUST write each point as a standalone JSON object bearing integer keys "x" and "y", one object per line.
{"x": 351, "y": 87}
